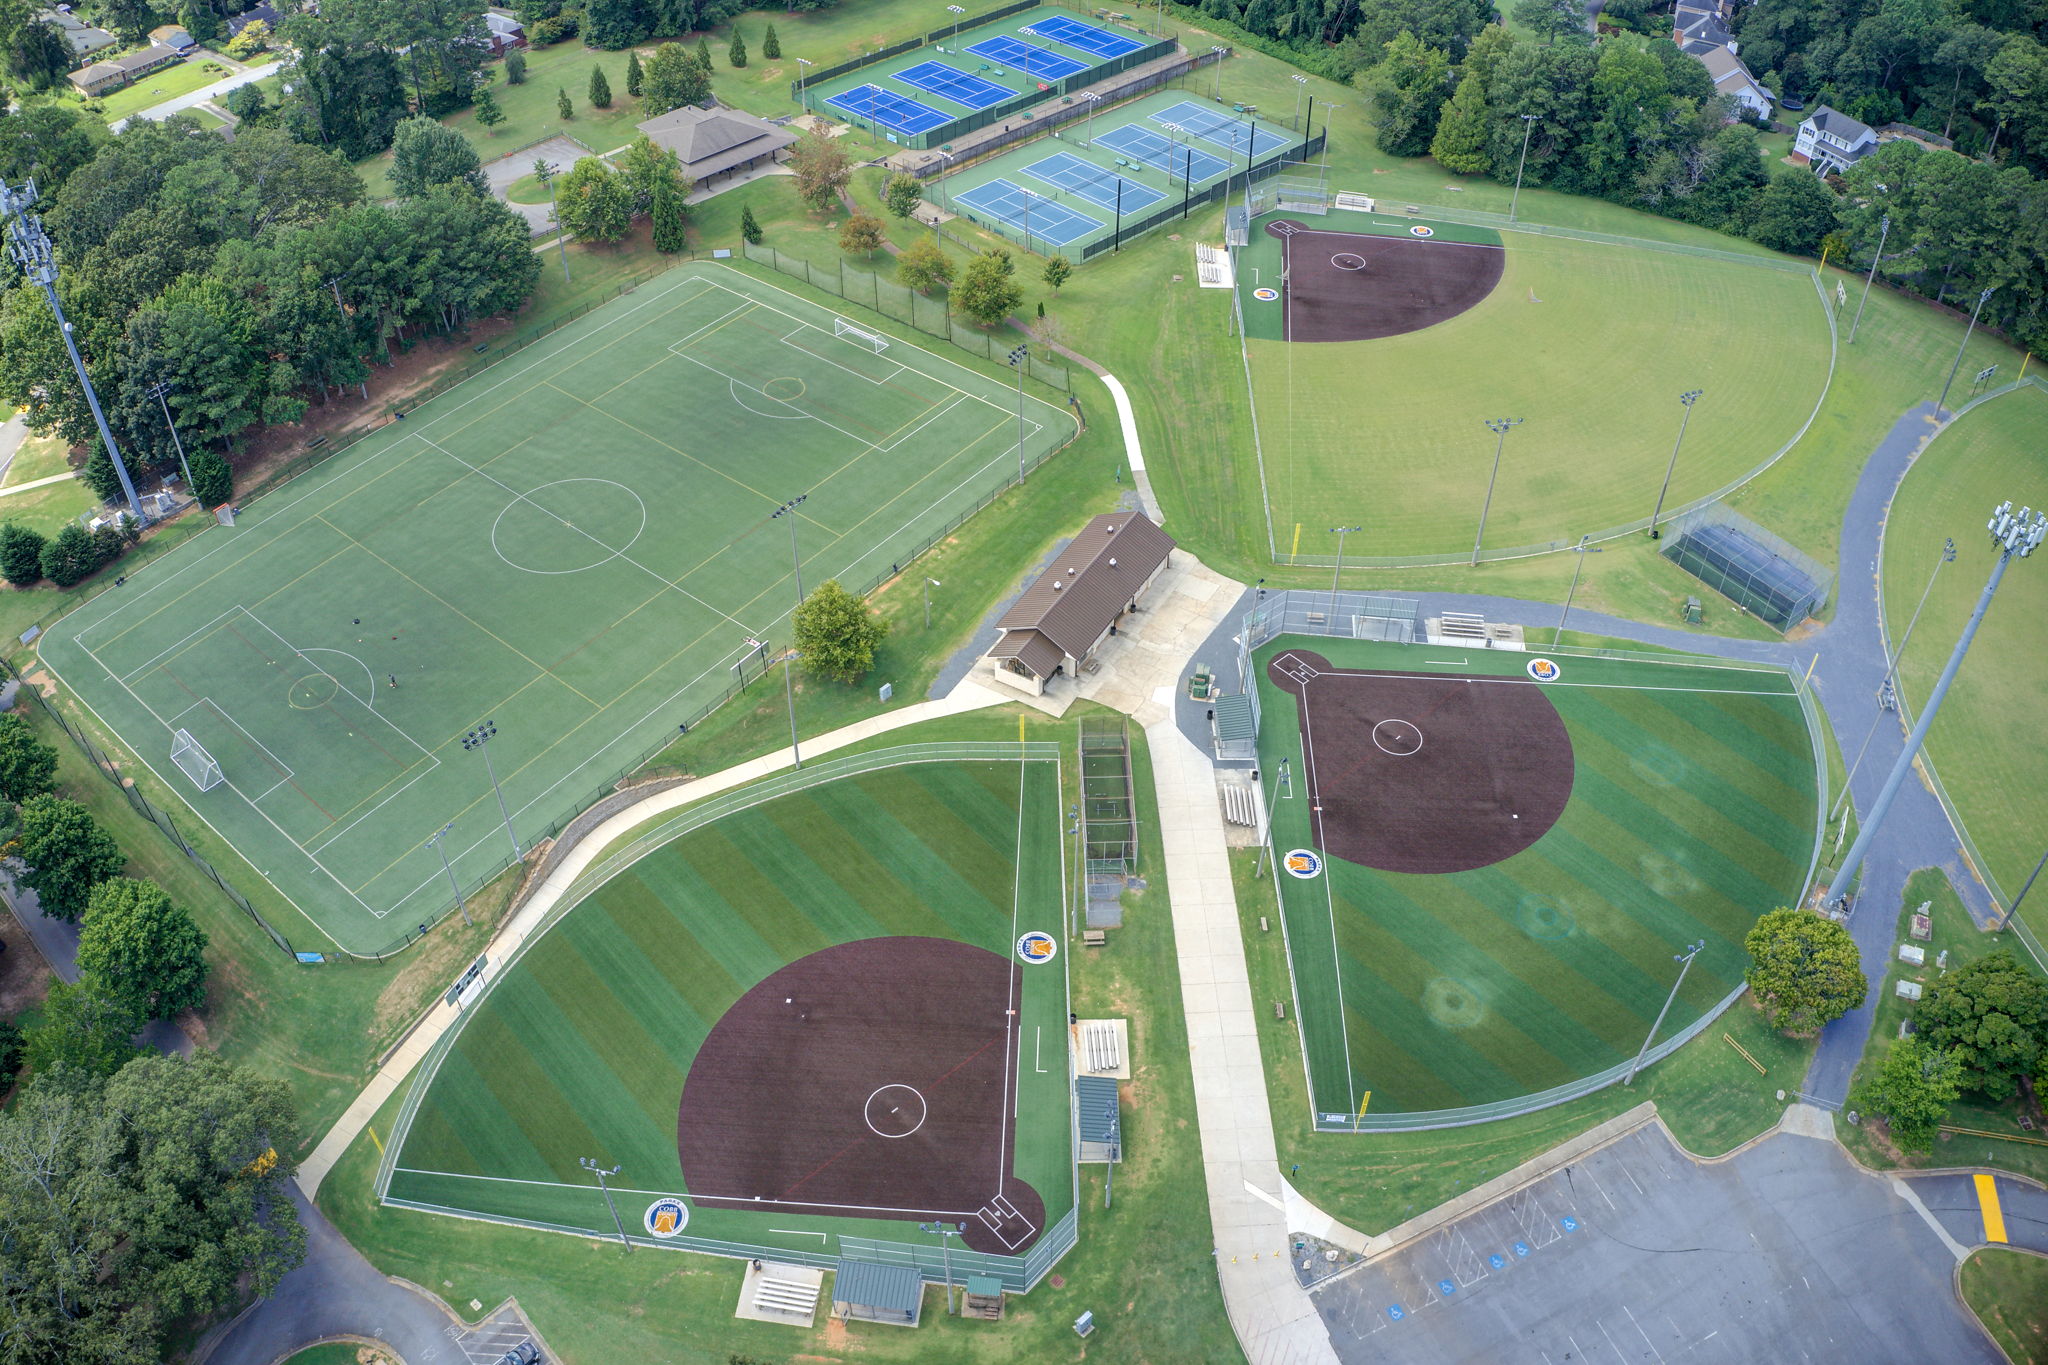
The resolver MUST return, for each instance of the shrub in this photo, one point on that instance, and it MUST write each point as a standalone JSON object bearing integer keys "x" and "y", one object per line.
{"x": 515, "y": 67}
{"x": 21, "y": 555}
{"x": 213, "y": 483}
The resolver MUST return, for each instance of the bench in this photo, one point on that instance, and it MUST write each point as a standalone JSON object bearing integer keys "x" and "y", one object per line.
{"x": 316, "y": 443}
{"x": 1279, "y": 1009}
{"x": 1094, "y": 938}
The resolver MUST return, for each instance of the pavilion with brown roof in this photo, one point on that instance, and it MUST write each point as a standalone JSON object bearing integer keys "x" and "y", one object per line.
{"x": 1063, "y": 617}
{"x": 719, "y": 141}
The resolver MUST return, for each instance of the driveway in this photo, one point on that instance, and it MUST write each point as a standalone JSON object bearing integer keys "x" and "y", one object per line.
{"x": 1638, "y": 1253}
{"x": 178, "y": 104}
{"x": 561, "y": 152}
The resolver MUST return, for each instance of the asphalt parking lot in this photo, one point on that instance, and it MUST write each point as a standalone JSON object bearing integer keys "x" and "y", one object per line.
{"x": 1636, "y": 1253}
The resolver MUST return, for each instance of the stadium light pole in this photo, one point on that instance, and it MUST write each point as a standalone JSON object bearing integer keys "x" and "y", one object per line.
{"x": 788, "y": 509}
{"x": 1891, "y": 669}
{"x": 1684, "y": 961}
{"x": 1528, "y": 127}
{"x": 1300, "y": 85}
{"x": 1221, "y": 53}
{"x": 1500, "y": 427}
{"x": 1884, "y": 229}
{"x": 544, "y": 170}
{"x": 601, "y": 1172}
{"x": 480, "y": 738}
{"x": 1187, "y": 163}
{"x": 158, "y": 391}
{"x": 946, "y": 1235}
{"x": 1330, "y": 108}
{"x": 1017, "y": 359}
{"x": 1689, "y": 397}
{"x": 956, "y": 11}
{"x": 2013, "y": 535}
{"x": 30, "y": 247}
{"x": 1340, "y": 532}
{"x": 929, "y": 584}
{"x": 803, "y": 66}
{"x": 453, "y": 885}
{"x": 1581, "y": 551}
{"x": 1093, "y": 99}
{"x": 2014, "y": 908}
{"x": 1942, "y": 401}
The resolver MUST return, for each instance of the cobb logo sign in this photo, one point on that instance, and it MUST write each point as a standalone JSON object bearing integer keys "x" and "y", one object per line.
{"x": 666, "y": 1217}
{"x": 1303, "y": 863}
{"x": 1543, "y": 670}
{"x": 1037, "y": 947}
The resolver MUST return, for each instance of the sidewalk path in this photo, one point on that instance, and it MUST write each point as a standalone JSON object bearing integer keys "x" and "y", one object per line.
{"x": 44, "y": 482}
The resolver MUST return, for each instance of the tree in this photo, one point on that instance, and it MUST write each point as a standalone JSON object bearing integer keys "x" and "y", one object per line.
{"x": 1460, "y": 142}
{"x": 426, "y": 152}
{"x": 21, "y": 555}
{"x": 634, "y": 73}
{"x": 487, "y": 111}
{"x": 737, "y": 53}
{"x": 254, "y": 37}
{"x": 563, "y": 109}
{"x": 44, "y": 142}
{"x": 67, "y": 855}
{"x": 836, "y": 634}
{"x": 670, "y": 219}
{"x": 1993, "y": 1015}
{"x": 1057, "y": 269}
{"x": 924, "y": 265}
{"x": 985, "y": 290}
{"x": 1794, "y": 213}
{"x": 11, "y": 1049}
{"x": 1804, "y": 969}
{"x": 593, "y": 203}
{"x": 647, "y": 169}
{"x": 600, "y": 89}
{"x": 704, "y": 53}
{"x": 28, "y": 767}
{"x": 213, "y": 483}
{"x": 515, "y": 67}
{"x": 247, "y": 104}
{"x": 903, "y": 194}
{"x": 1407, "y": 89}
{"x": 35, "y": 51}
{"x": 862, "y": 235}
{"x": 1551, "y": 20}
{"x": 771, "y": 46}
{"x": 1912, "y": 1089}
{"x": 85, "y": 1026}
{"x": 73, "y": 555}
{"x": 142, "y": 949}
{"x": 750, "y": 227}
{"x": 822, "y": 168}
{"x": 673, "y": 79}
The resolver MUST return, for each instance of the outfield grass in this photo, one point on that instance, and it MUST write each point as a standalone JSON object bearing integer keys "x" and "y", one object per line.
{"x": 1691, "y": 813}
{"x": 1993, "y": 453}
{"x": 1389, "y": 434}
{"x": 2008, "y": 1291}
{"x": 467, "y": 565}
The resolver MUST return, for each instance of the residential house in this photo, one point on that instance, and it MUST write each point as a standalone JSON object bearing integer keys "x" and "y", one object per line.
{"x": 83, "y": 37}
{"x": 175, "y": 38}
{"x": 1832, "y": 142}
{"x": 718, "y": 141}
{"x": 270, "y": 17}
{"x": 103, "y": 77}
{"x": 505, "y": 30}
{"x": 1731, "y": 77}
{"x": 1074, "y": 606}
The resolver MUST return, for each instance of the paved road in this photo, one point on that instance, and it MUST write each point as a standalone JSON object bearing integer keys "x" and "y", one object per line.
{"x": 12, "y": 432}
{"x": 1637, "y": 1253}
{"x": 57, "y": 941}
{"x": 561, "y": 152}
{"x": 157, "y": 113}
{"x": 1952, "y": 1199}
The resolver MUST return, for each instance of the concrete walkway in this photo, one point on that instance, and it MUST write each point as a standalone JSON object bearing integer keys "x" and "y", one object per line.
{"x": 44, "y": 482}
{"x": 178, "y": 104}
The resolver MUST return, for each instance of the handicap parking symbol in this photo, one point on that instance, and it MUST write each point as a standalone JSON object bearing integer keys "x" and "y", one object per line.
{"x": 1496, "y": 1260}
{"x": 1521, "y": 1249}
{"x": 1569, "y": 1223}
{"x": 1395, "y": 1312}
{"x": 1446, "y": 1287}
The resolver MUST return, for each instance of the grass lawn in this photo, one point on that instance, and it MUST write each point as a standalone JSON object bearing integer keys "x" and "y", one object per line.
{"x": 527, "y": 189}
{"x": 1143, "y": 1266}
{"x": 158, "y": 86}
{"x": 38, "y": 457}
{"x": 1993, "y": 453}
{"x": 2008, "y": 1291}
{"x": 1690, "y": 813}
{"x": 49, "y": 508}
{"x": 332, "y": 1353}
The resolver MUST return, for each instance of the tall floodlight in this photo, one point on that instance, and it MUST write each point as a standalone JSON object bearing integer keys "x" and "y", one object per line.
{"x": 1017, "y": 359}
{"x": 1221, "y": 53}
{"x": 1093, "y": 99}
{"x": 1300, "y": 85}
{"x": 30, "y": 247}
{"x": 1330, "y": 108}
{"x": 601, "y": 1172}
{"x": 1891, "y": 670}
{"x": 946, "y": 1233}
{"x": 544, "y": 171}
{"x": 441, "y": 848}
{"x": 480, "y": 738}
{"x": 1573, "y": 591}
{"x": 1942, "y": 401}
{"x": 2014, "y": 535}
{"x": 796, "y": 564}
{"x": 1500, "y": 427}
{"x": 2014, "y": 908}
{"x": 1689, "y": 397}
{"x": 929, "y": 584}
{"x": 159, "y": 391}
{"x": 1684, "y": 961}
{"x": 1340, "y": 532}
{"x": 1884, "y": 230}
{"x": 1528, "y": 127}
{"x": 956, "y": 11}
{"x": 803, "y": 66}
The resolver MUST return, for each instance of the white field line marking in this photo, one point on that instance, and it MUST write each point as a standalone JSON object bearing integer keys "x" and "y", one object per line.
{"x": 807, "y": 327}
{"x": 1314, "y": 793}
{"x": 799, "y": 1232}
{"x": 692, "y": 1197}
{"x": 208, "y": 702}
{"x": 174, "y": 647}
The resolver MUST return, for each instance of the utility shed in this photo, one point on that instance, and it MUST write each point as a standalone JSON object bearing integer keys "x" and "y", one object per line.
{"x": 869, "y": 1291}
{"x": 1064, "y": 616}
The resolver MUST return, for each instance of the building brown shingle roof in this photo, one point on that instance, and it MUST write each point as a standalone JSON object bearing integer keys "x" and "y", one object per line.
{"x": 712, "y": 140}
{"x": 1089, "y": 585}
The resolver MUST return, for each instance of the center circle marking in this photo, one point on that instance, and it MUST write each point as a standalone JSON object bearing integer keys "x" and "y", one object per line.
{"x": 1348, "y": 260}
{"x": 891, "y": 1108}
{"x": 312, "y": 691}
{"x": 1397, "y": 738}
{"x": 587, "y": 544}
{"x": 784, "y": 387}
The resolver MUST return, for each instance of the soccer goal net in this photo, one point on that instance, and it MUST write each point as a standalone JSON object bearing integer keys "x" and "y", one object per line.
{"x": 859, "y": 336}
{"x": 193, "y": 761}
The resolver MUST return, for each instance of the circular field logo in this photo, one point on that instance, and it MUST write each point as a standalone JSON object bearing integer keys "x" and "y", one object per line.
{"x": 1265, "y": 295}
{"x": 1303, "y": 863}
{"x": 1037, "y": 947}
{"x": 1543, "y": 670}
{"x": 1420, "y": 231}
{"x": 666, "y": 1217}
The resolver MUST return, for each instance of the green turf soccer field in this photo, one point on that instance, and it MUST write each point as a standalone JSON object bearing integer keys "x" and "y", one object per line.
{"x": 1691, "y": 812}
{"x": 583, "y": 1047}
{"x": 1591, "y": 345}
{"x": 575, "y": 545}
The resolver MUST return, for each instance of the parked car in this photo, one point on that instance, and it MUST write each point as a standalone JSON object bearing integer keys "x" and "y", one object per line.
{"x": 525, "y": 1353}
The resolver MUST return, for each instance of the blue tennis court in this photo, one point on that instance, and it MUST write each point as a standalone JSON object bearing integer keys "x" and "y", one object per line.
{"x": 957, "y": 86}
{"x": 1154, "y": 149}
{"x": 1220, "y": 129}
{"x": 877, "y": 105}
{"x": 1034, "y": 214}
{"x": 1088, "y": 38}
{"x": 1039, "y": 61}
{"x": 1093, "y": 183}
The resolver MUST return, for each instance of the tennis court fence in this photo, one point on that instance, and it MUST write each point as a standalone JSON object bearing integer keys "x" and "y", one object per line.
{"x": 1216, "y": 193}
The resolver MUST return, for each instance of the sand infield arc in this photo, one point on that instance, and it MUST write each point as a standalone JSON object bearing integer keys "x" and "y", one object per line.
{"x": 1347, "y": 286}
{"x": 800, "y": 1098}
{"x": 1490, "y": 771}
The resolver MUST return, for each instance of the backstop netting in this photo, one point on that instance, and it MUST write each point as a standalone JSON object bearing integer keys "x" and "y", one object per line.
{"x": 193, "y": 760}
{"x": 1757, "y": 571}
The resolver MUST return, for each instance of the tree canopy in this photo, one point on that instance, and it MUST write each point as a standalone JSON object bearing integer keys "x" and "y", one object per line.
{"x": 142, "y": 949}
{"x": 836, "y": 633}
{"x": 1804, "y": 969}
{"x": 67, "y": 854}
{"x": 1993, "y": 1015}
{"x": 1912, "y": 1089}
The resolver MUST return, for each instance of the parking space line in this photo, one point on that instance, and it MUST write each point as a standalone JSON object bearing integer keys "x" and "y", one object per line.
{"x": 1645, "y": 1335}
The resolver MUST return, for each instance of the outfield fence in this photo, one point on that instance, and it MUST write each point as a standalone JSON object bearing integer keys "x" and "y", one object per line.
{"x": 1500, "y": 221}
{"x": 1018, "y": 1273}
